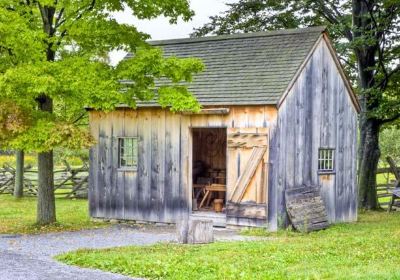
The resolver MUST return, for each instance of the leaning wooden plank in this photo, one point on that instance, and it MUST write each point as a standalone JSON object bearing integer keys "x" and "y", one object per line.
{"x": 245, "y": 178}
{"x": 306, "y": 209}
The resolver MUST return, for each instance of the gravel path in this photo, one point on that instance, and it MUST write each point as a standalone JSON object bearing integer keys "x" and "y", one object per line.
{"x": 31, "y": 256}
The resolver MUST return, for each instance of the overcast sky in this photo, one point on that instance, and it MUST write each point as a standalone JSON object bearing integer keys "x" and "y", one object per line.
{"x": 160, "y": 28}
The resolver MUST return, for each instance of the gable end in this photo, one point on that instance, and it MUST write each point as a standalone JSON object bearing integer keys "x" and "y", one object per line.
{"x": 324, "y": 38}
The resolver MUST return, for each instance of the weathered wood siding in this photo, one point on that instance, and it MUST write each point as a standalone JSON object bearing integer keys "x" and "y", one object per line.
{"x": 160, "y": 189}
{"x": 317, "y": 112}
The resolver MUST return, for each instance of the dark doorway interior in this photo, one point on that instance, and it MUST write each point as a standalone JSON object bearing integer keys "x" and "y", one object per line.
{"x": 209, "y": 169}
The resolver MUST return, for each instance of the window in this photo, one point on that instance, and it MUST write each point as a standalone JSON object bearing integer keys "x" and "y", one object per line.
{"x": 127, "y": 156}
{"x": 326, "y": 160}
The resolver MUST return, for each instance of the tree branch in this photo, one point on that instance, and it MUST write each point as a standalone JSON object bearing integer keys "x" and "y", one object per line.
{"x": 348, "y": 63}
{"x": 62, "y": 35}
{"x": 59, "y": 16}
{"x": 88, "y": 9}
{"x": 334, "y": 19}
{"x": 79, "y": 118}
{"x": 388, "y": 120}
{"x": 391, "y": 73}
{"x": 78, "y": 13}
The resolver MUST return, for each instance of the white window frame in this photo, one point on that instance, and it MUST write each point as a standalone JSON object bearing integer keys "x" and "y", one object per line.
{"x": 326, "y": 160}
{"x": 132, "y": 157}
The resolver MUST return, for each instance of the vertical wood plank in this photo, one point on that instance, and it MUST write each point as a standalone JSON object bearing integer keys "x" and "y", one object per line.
{"x": 185, "y": 175}
{"x": 106, "y": 155}
{"x": 131, "y": 197}
{"x": 110, "y": 168}
{"x": 289, "y": 172}
{"x": 339, "y": 157}
{"x": 177, "y": 199}
{"x": 117, "y": 191}
{"x": 328, "y": 98}
{"x": 315, "y": 100}
{"x": 172, "y": 164}
{"x": 233, "y": 165}
{"x": 144, "y": 164}
{"x": 300, "y": 136}
{"x": 280, "y": 178}
{"x": 94, "y": 164}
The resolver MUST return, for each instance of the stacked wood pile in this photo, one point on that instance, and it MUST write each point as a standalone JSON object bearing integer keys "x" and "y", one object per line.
{"x": 69, "y": 182}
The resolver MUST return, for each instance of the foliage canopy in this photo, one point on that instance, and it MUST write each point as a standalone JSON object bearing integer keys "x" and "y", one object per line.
{"x": 58, "y": 49}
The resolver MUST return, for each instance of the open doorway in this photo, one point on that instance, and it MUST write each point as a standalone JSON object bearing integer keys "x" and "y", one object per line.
{"x": 209, "y": 169}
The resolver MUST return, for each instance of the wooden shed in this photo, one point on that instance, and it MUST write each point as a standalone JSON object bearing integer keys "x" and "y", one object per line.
{"x": 278, "y": 113}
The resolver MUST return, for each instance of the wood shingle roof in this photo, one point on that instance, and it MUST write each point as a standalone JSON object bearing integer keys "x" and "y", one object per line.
{"x": 244, "y": 69}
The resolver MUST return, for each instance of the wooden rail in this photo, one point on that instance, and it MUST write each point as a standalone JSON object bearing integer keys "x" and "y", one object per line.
{"x": 384, "y": 189}
{"x": 70, "y": 182}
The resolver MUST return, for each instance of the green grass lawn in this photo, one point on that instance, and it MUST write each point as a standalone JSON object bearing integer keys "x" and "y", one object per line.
{"x": 18, "y": 216}
{"x": 369, "y": 249}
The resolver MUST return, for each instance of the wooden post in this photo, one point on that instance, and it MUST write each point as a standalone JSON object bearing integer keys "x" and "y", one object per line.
{"x": 182, "y": 228}
{"x": 19, "y": 174}
{"x": 195, "y": 231}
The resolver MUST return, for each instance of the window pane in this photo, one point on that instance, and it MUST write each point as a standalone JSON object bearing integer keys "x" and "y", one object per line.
{"x": 128, "y": 152}
{"x": 326, "y": 159}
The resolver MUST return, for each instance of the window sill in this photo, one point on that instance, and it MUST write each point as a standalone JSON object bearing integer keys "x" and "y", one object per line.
{"x": 332, "y": 172}
{"x": 128, "y": 169}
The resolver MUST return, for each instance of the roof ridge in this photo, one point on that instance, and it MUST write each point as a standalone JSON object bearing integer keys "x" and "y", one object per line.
{"x": 279, "y": 32}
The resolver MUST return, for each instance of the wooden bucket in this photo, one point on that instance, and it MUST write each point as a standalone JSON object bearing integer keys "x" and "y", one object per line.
{"x": 218, "y": 205}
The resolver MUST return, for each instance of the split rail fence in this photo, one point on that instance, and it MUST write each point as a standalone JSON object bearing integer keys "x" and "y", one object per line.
{"x": 385, "y": 185}
{"x": 72, "y": 182}
{"x": 69, "y": 182}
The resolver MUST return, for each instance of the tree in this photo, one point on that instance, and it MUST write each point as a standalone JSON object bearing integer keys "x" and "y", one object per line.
{"x": 52, "y": 64}
{"x": 366, "y": 34}
{"x": 19, "y": 174}
{"x": 12, "y": 122}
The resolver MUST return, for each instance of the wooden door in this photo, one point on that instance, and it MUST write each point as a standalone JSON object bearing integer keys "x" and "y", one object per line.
{"x": 247, "y": 178}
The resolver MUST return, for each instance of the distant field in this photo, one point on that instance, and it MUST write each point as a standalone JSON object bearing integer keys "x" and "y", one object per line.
{"x": 32, "y": 160}
{"x": 5, "y": 159}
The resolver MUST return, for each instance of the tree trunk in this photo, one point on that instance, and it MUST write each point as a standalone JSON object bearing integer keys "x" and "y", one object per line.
{"x": 46, "y": 208}
{"x": 369, "y": 153}
{"x": 19, "y": 175}
{"x": 368, "y": 164}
